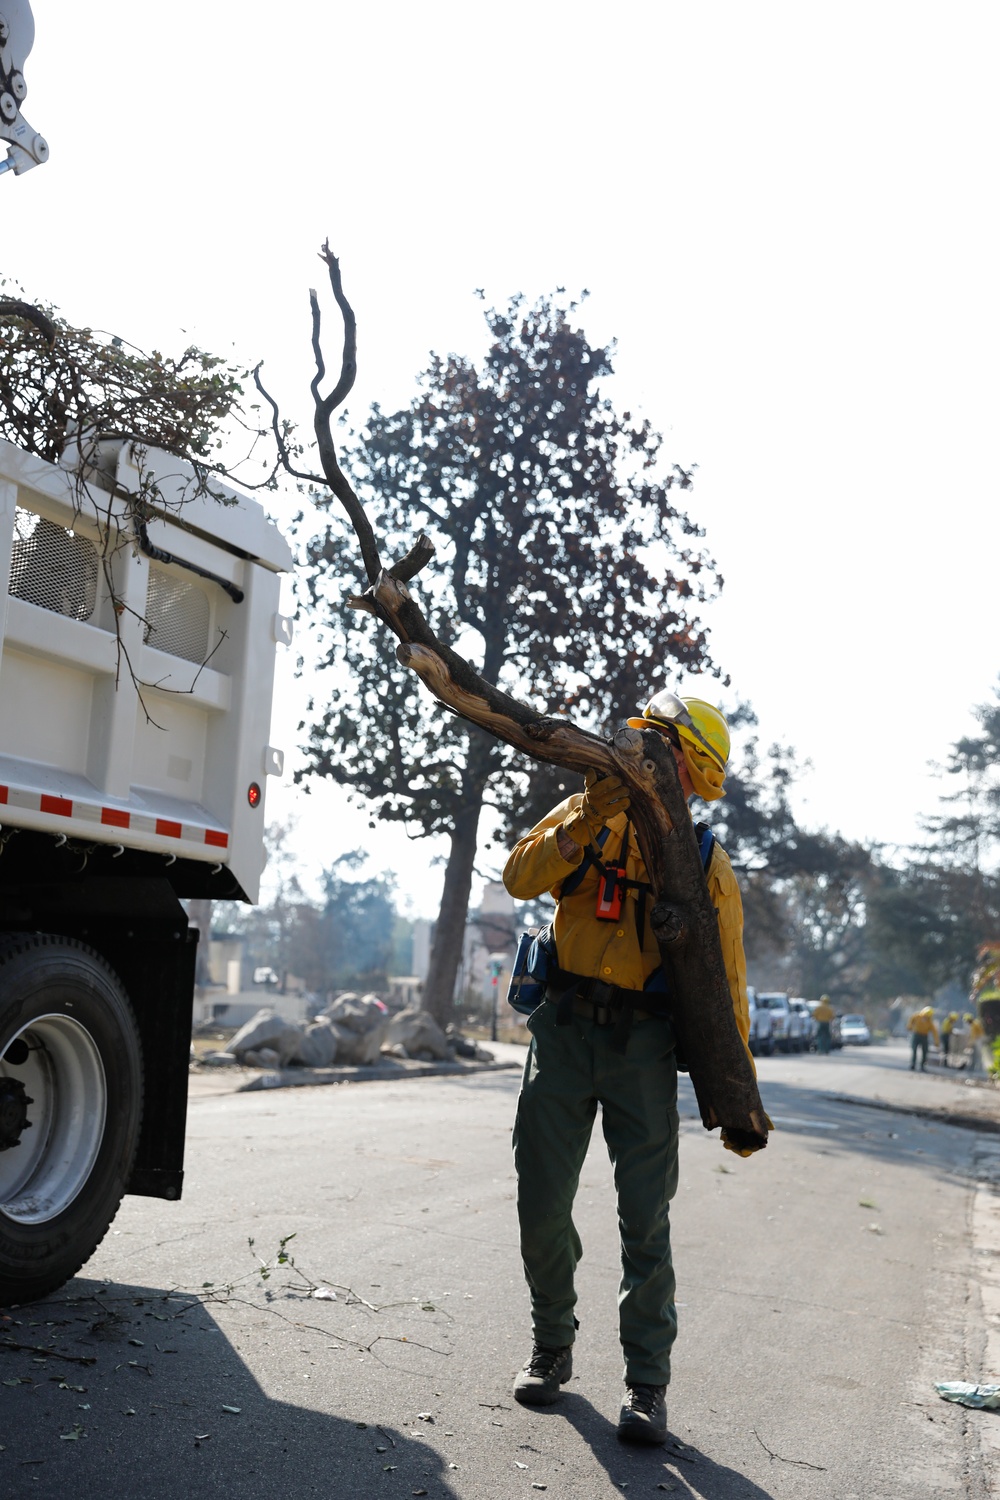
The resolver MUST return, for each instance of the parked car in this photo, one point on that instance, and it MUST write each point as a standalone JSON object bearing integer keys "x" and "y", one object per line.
{"x": 761, "y": 1027}
{"x": 788, "y": 1030}
{"x": 854, "y": 1030}
{"x": 801, "y": 1007}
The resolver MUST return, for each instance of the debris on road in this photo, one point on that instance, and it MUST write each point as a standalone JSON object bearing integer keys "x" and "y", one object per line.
{"x": 965, "y": 1394}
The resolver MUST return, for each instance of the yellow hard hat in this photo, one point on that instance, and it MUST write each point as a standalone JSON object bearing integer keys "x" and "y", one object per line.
{"x": 696, "y": 721}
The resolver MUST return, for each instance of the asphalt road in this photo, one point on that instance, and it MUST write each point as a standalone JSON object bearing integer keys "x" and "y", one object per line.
{"x": 823, "y": 1286}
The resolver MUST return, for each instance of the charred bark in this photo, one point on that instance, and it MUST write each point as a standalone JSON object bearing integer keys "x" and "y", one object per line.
{"x": 683, "y": 917}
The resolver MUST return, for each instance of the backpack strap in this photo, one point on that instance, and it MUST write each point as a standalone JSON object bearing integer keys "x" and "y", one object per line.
{"x": 571, "y": 882}
{"x": 706, "y": 844}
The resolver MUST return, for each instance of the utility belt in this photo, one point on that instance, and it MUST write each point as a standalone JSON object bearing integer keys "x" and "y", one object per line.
{"x": 596, "y": 1000}
{"x": 605, "y": 1004}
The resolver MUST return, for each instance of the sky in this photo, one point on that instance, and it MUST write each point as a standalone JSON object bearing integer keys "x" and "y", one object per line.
{"x": 785, "y": 214}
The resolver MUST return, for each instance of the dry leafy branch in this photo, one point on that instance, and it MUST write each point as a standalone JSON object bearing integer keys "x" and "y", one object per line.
{"x": 76, "y": 396}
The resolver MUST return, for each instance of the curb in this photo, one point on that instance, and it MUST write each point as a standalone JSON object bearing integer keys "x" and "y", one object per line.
{"x": 982, "y": 1123}
{"x": 292, "y": 1078}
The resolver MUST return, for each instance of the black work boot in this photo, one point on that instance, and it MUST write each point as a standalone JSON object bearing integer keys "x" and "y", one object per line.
{"x": 644, "y": 1414}
{"x": 547, "y": 1369}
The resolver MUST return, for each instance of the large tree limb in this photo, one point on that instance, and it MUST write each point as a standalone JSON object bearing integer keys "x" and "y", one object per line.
{"x": 683, "y": 918}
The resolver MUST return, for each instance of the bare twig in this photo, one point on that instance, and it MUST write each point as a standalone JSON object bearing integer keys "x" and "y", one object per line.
{"x": 799, "y": 1463}
{"x": 278, "y": 434}
{"x": 76, "y": 1359}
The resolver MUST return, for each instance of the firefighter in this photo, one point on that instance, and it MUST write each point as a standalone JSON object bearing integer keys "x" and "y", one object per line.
{"x": 922, "y": 1027}
{"x": 606, "y": 1040}
{"x": 824, "y": 1015}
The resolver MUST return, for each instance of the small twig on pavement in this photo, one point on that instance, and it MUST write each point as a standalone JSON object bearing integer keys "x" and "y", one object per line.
{"x": 800, "y": 1463}
{"x": 77, "y": 1359}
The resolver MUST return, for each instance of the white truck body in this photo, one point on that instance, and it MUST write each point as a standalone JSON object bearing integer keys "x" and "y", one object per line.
{"x": 144, "y": 726}
{"x": 136, "y": 669}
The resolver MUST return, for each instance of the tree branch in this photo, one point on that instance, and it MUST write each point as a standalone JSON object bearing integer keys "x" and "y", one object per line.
{"x": 12, "y": 307}
{"x": 284, "y": 456}
{"x": 683, "y": 918}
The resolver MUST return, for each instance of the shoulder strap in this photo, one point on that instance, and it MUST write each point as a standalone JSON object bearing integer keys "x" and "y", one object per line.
{"x": 706, "y": 843}
{"x": 571, "y": 882}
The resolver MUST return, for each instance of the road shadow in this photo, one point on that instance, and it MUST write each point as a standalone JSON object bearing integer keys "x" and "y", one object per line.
{"x": 840, "y": 1126}
{"x": 685, "y": 1471}
{"x": 136, "y": 1391}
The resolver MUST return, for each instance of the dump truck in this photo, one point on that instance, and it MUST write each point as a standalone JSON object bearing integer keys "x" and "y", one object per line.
{"x": 137, "y": 661}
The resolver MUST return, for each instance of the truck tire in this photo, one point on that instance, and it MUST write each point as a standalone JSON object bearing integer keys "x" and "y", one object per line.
{"x": 71, "y": 1089}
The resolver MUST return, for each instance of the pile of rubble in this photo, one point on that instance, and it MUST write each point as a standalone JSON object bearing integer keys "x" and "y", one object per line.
{"x": 354, "y": 1029}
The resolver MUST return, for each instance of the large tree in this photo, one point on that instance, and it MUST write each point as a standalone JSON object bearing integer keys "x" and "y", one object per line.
{"x": 565, "y": 572}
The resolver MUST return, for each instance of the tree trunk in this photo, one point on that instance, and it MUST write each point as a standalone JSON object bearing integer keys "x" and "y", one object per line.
{"x": 449, "y": 932}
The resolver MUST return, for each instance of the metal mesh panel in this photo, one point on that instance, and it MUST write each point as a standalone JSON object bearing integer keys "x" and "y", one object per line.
{"x": 177, "y": 616}
{"x": 52, "y": 567}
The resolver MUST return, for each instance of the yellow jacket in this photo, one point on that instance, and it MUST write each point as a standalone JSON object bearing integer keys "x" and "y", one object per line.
{"x": 610, "y": 950}
{"x": 824, "y": 1013}
{"x": 924, "y": 1025}
{"x": 976, "y": 1032}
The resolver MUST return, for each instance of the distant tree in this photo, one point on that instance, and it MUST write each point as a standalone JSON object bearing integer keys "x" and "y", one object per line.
{"x": 359, "y": 922}
{"x": 967, "y": 833}
{"x": 347, "y": 937}
{"x": 929, "y": 917}
{"x": 565, "y": 571}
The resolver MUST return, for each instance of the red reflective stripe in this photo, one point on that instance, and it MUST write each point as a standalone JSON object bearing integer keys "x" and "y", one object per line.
{"x": 221, "y": 839}
{"x": 115, "y": 817}
{"x": 3, "y": 794}
{"x": 171, "y": 830}
{"x": 61, "y": 805}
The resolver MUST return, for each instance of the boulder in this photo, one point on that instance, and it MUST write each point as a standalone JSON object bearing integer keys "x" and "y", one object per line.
{"x": 418, "y": 1032}
{"x": 220, "y": 1060}
{"x": 319, "y": 1045}
{"x": 359, "y": 1048}
{"x": 266, "y": 1029}
{"x": 262, "y": 1057}
{"x": 360, "y": 1013}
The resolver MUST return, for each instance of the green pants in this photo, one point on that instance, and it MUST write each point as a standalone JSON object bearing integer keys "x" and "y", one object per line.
{"x": 569, "y": 1071}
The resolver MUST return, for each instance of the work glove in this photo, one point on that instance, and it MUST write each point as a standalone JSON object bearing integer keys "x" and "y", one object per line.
{"x": 604, "y": 798}
{"x": 742, "y": 1150}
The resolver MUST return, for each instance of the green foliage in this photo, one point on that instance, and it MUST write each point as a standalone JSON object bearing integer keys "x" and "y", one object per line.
{"x": 57, "y": 384}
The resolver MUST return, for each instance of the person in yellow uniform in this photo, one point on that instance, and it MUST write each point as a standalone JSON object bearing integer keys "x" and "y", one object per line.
{"x": 602, "y": 1036}
{"x": 824, "y": 1015}
{"x": 921, "y": 1027}
{"x": 972, "y": 1040}
{"x": 947, "y": 1030}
